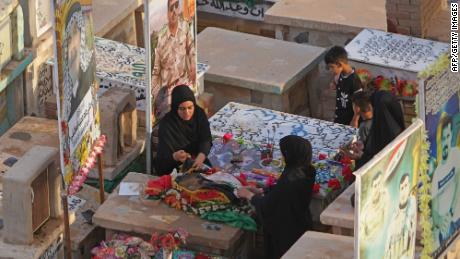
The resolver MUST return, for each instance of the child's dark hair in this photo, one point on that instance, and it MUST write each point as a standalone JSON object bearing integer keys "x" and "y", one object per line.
{"x": 335, "y": 55}
{"x": 363, "y": 100}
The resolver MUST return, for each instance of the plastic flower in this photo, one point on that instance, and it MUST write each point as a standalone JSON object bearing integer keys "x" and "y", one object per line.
{"x": 316, "y": 187}
{"x": 347, "y": 173}
{"x": 345, "y": 160}
{"x": 227, "y": 137}
{"x": 334, "y": 184}
{"x": 364, "y": 75}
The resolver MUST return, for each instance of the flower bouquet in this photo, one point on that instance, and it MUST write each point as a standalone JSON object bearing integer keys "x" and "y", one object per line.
{"x": 123, "y": 246}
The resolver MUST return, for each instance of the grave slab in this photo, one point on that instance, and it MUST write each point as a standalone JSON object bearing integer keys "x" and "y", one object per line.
{"x": 257, "y": 70}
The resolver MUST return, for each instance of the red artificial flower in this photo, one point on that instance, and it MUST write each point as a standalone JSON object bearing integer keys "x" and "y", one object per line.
{"x": 158, "y": 185}
{"x": 270, "y": 181}
{"x": 66, "y": 158}
{"x": 227, "y": 137}
{"x": 378, "y": 81}
{"x": 316, "y": 188}
{"x": 322, "y": 156}
{"x": 212, "y": 170}
{"x": 63, "y": 126}
{"x": 345, "y": 160}
{"x": 409, "y": 89}
{"x": 154, "y": 239}
{"x": 334, "y": 184}
{"x": 364, "y": 75}
{"x": 347, "y": 173}
{"x": 243, "y": 179}
{"x": 168, "y": 242}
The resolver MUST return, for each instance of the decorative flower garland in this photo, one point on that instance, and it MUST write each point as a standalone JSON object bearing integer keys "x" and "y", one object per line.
{"x": 405, "y": 88}
{"x": 80, "y": 177}
{"x": 424, "y": 201}
{"x": 437, "y": 67}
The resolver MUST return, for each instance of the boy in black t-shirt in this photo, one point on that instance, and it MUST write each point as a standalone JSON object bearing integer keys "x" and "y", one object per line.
{"x": 345, "y": 82}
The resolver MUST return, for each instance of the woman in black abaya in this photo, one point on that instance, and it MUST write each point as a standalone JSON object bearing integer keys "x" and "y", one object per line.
{"x": 284, "y": 209}
{"x": 387, "y": 124}
{"x": 183, "y": 132}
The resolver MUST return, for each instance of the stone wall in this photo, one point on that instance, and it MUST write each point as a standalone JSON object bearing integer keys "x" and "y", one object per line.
{"x": 411, "y": 17}
{"x": 124, "y": 32}
{"x": 235, "y": 24}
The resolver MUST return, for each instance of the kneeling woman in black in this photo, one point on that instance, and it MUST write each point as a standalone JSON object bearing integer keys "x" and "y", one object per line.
{"x": 284, "y": 209}
{"x": 184, "y": 131}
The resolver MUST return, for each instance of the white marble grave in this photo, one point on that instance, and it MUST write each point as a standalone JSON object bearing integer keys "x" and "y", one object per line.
{"x": 394, "y": 50}
{"x": 258, "y": 124}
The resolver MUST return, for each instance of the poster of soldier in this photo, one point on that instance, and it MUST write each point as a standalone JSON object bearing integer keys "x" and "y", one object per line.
{"x": 387, "y": 205}
{"x": 442, "y": 121}
{"x": 172, "y": 37}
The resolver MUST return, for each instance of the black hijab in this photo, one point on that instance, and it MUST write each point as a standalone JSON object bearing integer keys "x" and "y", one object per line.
{"x": 387, "y": 124}
{"x": 193, "y": 136}
{"x": 297, "y": 153}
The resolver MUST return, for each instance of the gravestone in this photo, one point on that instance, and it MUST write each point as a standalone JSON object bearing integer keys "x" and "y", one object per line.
{"x": 31, "y": 195}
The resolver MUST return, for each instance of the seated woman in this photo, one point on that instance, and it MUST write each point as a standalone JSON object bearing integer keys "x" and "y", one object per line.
{"x": 284, "y": 209}
{"x": 183, "y": 132}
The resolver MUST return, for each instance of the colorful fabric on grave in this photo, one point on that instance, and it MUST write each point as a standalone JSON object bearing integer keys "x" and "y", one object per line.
{"x": 156, "y": 187}
{"x": 257, "y": 180}
{"x": 175, "y": 199}
{"x": 225, "y": 178}
{"x": 231, "y": 218}
{"x": 198, "y": 188}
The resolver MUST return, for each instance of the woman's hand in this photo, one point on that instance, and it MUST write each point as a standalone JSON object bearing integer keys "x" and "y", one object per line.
{"x": 354, "y": 151}
{"x": 244, "y": 193}
{"x": 199, "y": 160}
{"x": 180, "y": 156}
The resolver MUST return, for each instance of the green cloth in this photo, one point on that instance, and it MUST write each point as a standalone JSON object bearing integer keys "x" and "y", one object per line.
{"x": 231, "y": 218}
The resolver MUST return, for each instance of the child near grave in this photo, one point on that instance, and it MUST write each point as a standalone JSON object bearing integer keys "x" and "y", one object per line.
{"x": 387, "y": 124}
{"x": 362, "y": 107}
{"x": 345, "y": 83}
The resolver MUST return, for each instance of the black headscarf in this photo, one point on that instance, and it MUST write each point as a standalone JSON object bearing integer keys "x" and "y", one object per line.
{"x": 387, "y": 123}
{"x": 193, "y": 136}
{"x": 297, "y": 153}
{"x": 284, "y": 211}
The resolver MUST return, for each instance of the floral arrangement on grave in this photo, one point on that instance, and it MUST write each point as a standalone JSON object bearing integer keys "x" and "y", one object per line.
{"x": 332, "y": 175}
{"x": 124, "y": 246}
{"x": 399, "y": 87}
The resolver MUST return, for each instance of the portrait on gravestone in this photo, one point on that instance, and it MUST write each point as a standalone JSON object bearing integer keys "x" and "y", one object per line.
{"x": 78, "y": 65}
{"x": 387, "y": 216}
{"x": 172, "y": 33}
{"x": 77, "y": 99}
{"x": 442, "y": 120}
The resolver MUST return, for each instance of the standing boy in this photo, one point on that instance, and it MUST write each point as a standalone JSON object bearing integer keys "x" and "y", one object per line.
{"x": 345, "y": 82}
